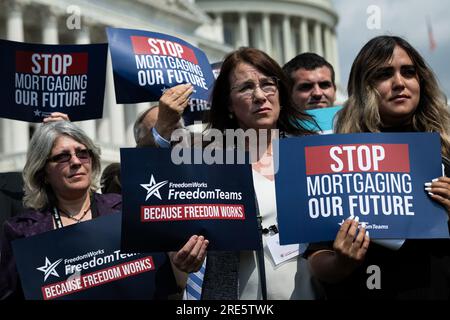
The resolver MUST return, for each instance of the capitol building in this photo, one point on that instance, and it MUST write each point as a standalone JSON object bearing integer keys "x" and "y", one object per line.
{"x": 282, "y": 28}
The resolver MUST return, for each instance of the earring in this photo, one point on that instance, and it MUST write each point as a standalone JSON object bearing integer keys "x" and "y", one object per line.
{"x": 231, "y": 115}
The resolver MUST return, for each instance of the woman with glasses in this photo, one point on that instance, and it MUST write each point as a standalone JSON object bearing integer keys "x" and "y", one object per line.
{"x": 60, "y": 174}
{"x": 250, "y": 93}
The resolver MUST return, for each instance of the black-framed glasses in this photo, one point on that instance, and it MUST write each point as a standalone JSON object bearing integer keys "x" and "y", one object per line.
{"x": 84, "y": 155}
{"x": 268, "y": 85}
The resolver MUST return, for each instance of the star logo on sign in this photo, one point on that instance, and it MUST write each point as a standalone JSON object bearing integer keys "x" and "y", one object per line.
{"x": 49, "y": 268}
{"x": 153, "y": 188}
{"x": 37, "y": 113}
{"x": 359, "y": 224}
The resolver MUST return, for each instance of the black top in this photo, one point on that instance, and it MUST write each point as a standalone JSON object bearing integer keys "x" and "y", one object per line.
{"x": 420, "y": 269}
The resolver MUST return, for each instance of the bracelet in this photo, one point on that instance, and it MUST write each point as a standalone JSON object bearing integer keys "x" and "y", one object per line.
{"x": 160, "y": 141}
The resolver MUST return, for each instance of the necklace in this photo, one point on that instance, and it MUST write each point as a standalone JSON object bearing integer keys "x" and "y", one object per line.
{"x": 73, "y": 218}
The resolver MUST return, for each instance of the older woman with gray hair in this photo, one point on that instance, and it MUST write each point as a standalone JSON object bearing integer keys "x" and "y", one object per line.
{"x": 60, "y": 174}
{"x": 63, "y": 165}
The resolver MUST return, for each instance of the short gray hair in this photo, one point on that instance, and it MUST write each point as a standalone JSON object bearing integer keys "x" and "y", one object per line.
{"x": 39, "y": 195}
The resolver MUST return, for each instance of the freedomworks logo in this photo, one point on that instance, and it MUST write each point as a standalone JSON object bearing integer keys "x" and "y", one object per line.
{"x": 49, "y": 268}
{"x": 194, "y": 194}
{"x": 153, "y": 188}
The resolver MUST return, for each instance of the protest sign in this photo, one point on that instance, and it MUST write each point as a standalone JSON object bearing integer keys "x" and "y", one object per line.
{"x": 40, "y": 79}
{"x": 322, "y": 180}
{"x": 84, "y": 261}
{"x": 165, "y": 203}
{"x": 145, "y": 64}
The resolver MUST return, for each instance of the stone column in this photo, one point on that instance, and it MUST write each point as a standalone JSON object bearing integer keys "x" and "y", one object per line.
{"x": 116, "y": 112}
{"x": 304, "y": 35}
{"x": 130, "y": 115}
{"x": 328, "y": 46}
{"x": 15, "y": 133}
{"x": 318, "y": 38}
{"x": 287, "y": 40}
{"x": 49, "y": 27}
{"x": 83, "y": 37}
{"x": 243, "y": 29}
{"x": 266, "y": 33}
{"x": 104, "y": 124}
{"x": 256, "y": 28}
{"x": 277, "y": 41}
{"x": 337, "y": 70}
{"x": 218, "y": 23}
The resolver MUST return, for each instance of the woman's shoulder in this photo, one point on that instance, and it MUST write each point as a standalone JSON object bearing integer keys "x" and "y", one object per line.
{"x": 108, "y": 201}
{"x": 28, "y": 223}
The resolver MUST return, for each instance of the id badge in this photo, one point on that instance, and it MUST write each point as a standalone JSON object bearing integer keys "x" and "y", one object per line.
{"x": 283, "y": 253}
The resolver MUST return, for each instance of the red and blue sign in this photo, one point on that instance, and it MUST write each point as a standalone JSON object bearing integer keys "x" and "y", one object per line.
{"x": 145, "y": 64}
{"x": 325, "y": 179}
{"x": 40, "y": 79}
{"x": 164, "y": 203}
{"x": 85, "y": 262}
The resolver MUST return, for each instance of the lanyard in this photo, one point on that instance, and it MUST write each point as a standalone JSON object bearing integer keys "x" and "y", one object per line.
{"x": 57, "y": 218}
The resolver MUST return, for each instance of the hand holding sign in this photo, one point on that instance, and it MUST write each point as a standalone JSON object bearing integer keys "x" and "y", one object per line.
{"x": 350, "y": 247}
{"x": 171, "y": 107}
{"x": 190, "y": 258}
{"x": 439, "y": 190}
{"x": 351, "y": 242}
{"x": 56, "y": 116}
{"x": 176, "y": 98}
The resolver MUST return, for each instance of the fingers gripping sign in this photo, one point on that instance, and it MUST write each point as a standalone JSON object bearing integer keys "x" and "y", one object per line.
{"x": 439, "y": 190}
{"x": 56, "y": 116}
{"x": 351, "y": 242}
{"x": 171, "y": 107}
{"x": 191, "y": 256}
{"x": 176, "y": 99}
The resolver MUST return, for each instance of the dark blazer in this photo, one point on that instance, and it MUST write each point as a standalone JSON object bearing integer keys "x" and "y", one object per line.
{"x": 31, "y": 223}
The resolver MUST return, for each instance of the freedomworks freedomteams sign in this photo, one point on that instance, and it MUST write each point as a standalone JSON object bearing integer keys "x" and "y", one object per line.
{"x": 40, "y": 79}
{"x": 165, "y": 204}
{"x": 377, "y": 177}
{"x": 84, "y": 262}
{"x": 145, "y": 64}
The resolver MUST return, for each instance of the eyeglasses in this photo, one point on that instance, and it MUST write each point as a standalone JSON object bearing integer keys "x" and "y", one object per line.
{"x": 267, "y": 85}
{"x": 83, "y": 155}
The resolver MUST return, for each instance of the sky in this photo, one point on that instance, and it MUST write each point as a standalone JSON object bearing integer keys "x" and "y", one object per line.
{"x": 405, "y": 18}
